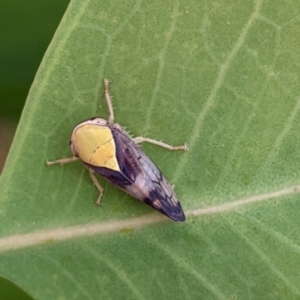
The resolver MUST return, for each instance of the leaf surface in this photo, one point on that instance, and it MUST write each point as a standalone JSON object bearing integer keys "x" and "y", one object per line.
{"x": 222, "y": 77}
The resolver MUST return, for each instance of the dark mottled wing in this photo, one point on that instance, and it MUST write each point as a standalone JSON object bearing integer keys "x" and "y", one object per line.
{"x": 140, "y": 177}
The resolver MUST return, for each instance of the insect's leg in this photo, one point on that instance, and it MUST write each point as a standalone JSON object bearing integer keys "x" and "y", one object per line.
{"x": 141, "y": 139}
{"x": 98, "y": 186}
{"x": 61, "y": 161}
{"x": 109, "y": 103}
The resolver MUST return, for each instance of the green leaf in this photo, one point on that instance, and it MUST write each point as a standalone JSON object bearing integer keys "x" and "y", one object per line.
{"x": 222, "y": 77}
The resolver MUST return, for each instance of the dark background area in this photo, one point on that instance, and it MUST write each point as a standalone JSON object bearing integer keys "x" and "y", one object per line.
{"x": 27, "y": 28}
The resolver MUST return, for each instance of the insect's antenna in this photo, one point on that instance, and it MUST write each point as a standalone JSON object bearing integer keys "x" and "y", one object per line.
{"x": 109, "y": 103}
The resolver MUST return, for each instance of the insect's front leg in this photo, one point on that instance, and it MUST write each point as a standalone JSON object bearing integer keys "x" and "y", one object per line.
{"x": 141, "y": 139}
{"x": 109, "y": 103}
{"x": 61, "y": 161}
{"x": 98, "y": 186}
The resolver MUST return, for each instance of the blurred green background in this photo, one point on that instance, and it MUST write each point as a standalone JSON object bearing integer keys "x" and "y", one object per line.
{"x": 27, "y": 28}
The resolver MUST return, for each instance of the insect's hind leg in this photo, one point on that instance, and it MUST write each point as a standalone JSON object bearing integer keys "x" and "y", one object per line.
{"x": 98, "y": 186}
{"x": 141, "y": 139}
{"x": 109, "y": 103}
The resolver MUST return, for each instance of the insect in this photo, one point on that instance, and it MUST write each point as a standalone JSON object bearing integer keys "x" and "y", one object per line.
{"x": 106, "y": 149}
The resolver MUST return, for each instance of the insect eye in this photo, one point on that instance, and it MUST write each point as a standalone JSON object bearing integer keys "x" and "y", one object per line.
{"x": 98, "y": 121}
{"x": 73, "y": 149}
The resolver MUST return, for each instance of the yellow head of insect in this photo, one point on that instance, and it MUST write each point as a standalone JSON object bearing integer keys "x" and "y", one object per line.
{"x": 93, "y": 142}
